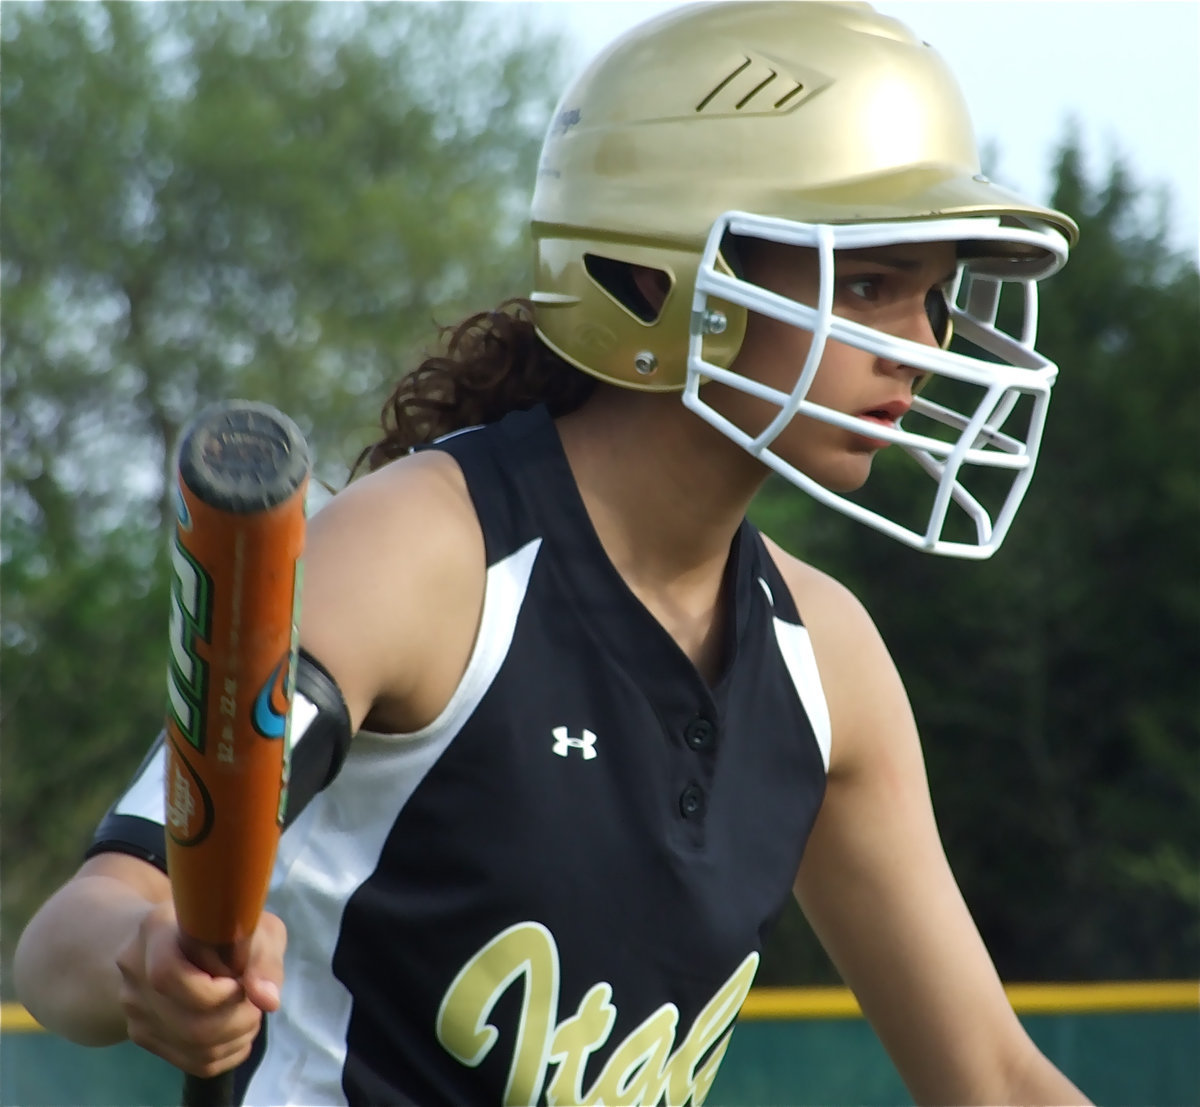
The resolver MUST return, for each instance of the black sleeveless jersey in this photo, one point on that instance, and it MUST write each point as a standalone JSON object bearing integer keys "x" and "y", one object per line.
{"x": 558, "y": 890}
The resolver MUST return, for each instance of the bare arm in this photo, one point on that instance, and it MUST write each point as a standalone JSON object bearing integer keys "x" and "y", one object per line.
{"x": 100, "y": 961}
{"x": 877, "y": 888}
{"x": 85, "y": 925}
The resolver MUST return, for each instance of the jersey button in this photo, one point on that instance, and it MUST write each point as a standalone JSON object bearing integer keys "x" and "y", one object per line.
{"x": 691, "y": 802}
{"x": 700, "y": 734}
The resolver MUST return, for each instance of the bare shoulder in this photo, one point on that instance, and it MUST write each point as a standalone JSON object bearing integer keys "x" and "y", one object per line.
{"x": 424, "y": 493}
{"x": 866, "y": 698}
{"x": 835, "y": 617}
{"x": 877, "y": 889}
{"x": 393, "y": 584}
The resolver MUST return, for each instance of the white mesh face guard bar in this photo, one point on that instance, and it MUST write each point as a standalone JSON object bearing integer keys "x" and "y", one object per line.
{"x": 972, "y": 441}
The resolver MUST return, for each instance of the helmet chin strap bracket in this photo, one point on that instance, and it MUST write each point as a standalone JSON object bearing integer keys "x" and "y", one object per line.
{"x": 645, "y": 363}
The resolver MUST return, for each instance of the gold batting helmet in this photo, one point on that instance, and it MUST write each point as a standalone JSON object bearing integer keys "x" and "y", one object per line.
{"x": 825, "y": 125}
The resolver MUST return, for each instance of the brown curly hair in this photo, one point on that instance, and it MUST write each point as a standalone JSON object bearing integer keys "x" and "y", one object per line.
{"x": 492, "y": 363}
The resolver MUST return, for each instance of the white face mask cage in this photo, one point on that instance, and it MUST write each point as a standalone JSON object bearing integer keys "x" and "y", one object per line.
{"x": 975, "y": 441}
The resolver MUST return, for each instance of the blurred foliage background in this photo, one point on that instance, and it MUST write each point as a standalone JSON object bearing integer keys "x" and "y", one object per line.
{"x": 282, "y": 201}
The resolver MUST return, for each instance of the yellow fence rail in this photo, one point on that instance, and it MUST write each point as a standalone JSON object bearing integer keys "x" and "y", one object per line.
{"x": 839, "y": 1003}
{"x": 1027, "y": 999}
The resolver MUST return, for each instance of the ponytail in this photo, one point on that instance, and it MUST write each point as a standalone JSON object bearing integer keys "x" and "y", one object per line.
{"x": 493, "y": 363}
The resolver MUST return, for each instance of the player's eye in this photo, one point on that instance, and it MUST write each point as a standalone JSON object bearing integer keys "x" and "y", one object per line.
{"x": 866, "y": 287}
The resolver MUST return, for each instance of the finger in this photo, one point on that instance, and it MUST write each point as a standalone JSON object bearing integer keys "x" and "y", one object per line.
{"x": 262, "y": 992}
{"x": 177, "y": 982}
{"x": 197, "y": 1058}
{"x": 156, "y": 961}
{"x": 263, "y": 977}
{"x": 173, "y": 976}
{"x": 162, "y": 1019}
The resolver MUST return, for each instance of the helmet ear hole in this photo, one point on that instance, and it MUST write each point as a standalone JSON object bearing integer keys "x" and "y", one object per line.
{"x": 640, "y": 290}
{"x": 938, "y": 310}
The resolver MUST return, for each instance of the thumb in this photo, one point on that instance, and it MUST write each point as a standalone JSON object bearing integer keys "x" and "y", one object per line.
{"x": 263, "y": 977}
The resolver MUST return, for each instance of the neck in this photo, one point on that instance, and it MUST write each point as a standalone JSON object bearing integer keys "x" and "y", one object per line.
{"x": 666, "y": 493}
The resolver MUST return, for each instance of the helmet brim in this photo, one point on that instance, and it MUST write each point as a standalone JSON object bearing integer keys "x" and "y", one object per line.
{"x": 929, "y": 193}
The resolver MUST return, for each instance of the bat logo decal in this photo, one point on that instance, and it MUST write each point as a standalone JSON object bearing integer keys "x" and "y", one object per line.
{"x": 271, "y": 703}
{"x": 189, "y": 806}
{"x": 182, "y": 513}
{"x": 192, "y": 600}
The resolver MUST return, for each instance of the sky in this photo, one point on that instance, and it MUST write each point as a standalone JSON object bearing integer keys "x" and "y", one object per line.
{"x": 1124, "y": 74}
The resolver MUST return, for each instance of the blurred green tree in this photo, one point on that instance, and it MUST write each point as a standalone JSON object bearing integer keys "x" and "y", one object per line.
{"x": 201, "y": 201}
{"x": 1056, "y": 684}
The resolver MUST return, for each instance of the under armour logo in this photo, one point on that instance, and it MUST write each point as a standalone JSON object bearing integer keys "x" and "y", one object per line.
{"x": 563, "y": 742}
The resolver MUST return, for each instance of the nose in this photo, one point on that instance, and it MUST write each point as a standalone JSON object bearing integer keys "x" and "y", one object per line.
{"x": 916, "y": 326}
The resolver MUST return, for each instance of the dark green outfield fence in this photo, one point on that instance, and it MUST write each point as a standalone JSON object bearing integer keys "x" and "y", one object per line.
{"x": 1125, "y": 1045}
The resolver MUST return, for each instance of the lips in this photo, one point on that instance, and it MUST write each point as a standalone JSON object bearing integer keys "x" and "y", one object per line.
{"x": 889, "y": 413}
{"x": 886, "y": 415}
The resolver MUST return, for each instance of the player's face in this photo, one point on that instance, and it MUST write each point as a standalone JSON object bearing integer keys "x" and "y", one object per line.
{"x": 886, "y": 288}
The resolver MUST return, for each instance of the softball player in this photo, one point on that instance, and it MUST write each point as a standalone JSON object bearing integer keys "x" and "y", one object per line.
{"x": 574, "y": 730}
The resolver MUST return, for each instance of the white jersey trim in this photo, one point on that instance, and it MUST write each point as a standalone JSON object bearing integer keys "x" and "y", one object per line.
{"x": 146, "y": 796}
{"x": 333, "y": 847}
{"x": 795, "y": 645}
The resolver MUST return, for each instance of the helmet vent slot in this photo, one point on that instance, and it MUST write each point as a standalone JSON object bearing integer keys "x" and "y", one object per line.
{"x": 756, "y": 90}
{"x": 746, "y": 63}
{"x": 788, "y": 95}
{"x": 742, "y": 89}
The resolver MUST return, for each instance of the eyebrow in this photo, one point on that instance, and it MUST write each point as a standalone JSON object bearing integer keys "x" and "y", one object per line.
{"x": 883, "y": 256}
{"x": 892, "y": 261}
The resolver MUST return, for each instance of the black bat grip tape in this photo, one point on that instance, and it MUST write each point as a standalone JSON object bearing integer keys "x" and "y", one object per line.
{"x": 209, "y": 1091}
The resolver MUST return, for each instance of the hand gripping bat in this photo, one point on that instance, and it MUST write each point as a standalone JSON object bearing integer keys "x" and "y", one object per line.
{"x": 241, "y": 478}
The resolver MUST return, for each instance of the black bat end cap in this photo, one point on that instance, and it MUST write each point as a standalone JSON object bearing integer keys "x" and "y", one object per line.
{"x": 242, "y": 456}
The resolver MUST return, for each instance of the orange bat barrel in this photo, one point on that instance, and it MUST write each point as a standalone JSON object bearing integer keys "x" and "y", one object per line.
{"x": 242, "y": 474}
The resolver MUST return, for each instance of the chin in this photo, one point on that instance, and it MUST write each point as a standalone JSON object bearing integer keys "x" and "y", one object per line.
{"x": 840, "y": 463}
{"x": 849, "y": 476}
{"x": 843, "y": 487}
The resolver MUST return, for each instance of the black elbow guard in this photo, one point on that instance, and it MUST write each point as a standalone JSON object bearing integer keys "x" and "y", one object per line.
{"x": 320, "y": 733}
{"x": 320, "y": 738}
